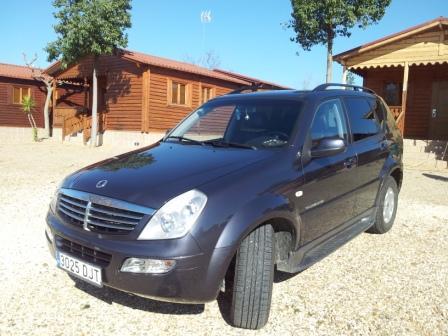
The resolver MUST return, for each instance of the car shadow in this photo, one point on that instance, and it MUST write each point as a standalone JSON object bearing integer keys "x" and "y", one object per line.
{"x": 436, "y": 177}
{"x": 283, "y": 276}
{"x": 111, "y": 295}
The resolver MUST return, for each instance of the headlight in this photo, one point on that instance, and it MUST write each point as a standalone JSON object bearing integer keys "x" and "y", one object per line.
{"x": 54, "y": 199}
{"x": 176, "y": 217}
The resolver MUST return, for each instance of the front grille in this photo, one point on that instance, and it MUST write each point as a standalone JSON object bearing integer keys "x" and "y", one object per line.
{"x": 98, "y": 213}
{"x": 84, "y": 253}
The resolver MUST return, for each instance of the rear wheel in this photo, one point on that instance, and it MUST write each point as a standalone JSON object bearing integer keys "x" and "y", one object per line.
{"x": 387, "y": 208}
{"x": 253, "y": 279}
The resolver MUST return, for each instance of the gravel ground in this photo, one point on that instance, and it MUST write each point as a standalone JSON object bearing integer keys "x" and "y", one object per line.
{"x": 394, "y": 284}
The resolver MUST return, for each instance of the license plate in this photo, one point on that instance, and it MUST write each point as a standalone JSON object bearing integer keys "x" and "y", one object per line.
{"x": 81, "y": 269}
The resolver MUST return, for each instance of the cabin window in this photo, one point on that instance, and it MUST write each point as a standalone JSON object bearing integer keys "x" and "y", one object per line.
{"x": 19, "y": 93}
{"x": 178, "y": 93}
{"x": 392, "y": 94}
{"x": 206, "y": 94}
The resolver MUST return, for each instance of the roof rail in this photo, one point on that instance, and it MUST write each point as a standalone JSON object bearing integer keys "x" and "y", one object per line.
{"x": 323, "y": 87}
{"x": 254, "y": 87}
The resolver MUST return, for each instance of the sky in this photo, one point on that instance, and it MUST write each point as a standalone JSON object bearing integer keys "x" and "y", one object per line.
{"x": 247, "y": 36}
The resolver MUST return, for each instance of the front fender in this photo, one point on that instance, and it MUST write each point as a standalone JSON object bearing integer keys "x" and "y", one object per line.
{"x": 254, "y": 213}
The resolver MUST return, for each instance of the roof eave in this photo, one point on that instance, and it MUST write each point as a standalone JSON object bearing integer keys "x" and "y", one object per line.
{"x": 341, "y": 57}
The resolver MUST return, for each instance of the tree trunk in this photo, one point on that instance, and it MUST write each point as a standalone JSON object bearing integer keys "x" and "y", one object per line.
{"x": 94, "y": 130}
{"x": 329, "y": 58}
{"x": 46, "y": 110}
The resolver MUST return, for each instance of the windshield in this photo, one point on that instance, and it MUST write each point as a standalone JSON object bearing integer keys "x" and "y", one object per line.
{"x": 251, "y": 123}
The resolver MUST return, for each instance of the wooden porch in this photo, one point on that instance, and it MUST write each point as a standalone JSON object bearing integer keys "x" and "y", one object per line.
{"x": 72, "y": 111}
{"x": 409, "y": 69}
{"x": 76, "y": 120}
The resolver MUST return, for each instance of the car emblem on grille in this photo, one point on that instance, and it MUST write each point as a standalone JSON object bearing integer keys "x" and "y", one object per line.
{"x": 101, "y": 184}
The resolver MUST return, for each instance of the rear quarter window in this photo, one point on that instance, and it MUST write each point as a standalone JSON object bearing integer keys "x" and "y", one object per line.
{"x": 363, "y": 118}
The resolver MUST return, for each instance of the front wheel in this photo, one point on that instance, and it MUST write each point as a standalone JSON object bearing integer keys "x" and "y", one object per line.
{"x": 253, "y": 279}
{"x": 387, "y": 208}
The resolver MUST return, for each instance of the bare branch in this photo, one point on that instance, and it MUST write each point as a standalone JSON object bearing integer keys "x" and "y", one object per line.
{"x": 29, "y": 64}
{"x": 37, "y": 73}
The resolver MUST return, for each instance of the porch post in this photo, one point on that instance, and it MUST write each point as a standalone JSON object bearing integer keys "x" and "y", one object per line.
{"x": 146, "y": 78}
{"x": 404, "y": 93}
{"x": 53, "y": 104}
{"x": 344, "y": 75}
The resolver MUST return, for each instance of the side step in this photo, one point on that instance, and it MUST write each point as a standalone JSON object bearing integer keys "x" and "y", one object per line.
{"x": 318, "y": 249}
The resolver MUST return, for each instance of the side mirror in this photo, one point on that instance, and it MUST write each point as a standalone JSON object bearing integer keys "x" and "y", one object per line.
{"x": 327, "y": 147}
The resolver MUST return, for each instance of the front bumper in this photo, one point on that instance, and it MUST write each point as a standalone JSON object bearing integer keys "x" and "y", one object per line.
{"x": 196, "y": 278}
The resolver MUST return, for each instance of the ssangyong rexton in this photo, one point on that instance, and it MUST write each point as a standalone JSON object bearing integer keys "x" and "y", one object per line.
{"x": 246, "y": 184}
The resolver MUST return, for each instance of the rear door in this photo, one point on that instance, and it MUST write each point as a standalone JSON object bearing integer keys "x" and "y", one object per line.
{"x": 370, "y": 145}
{"x": 327, "y": 197}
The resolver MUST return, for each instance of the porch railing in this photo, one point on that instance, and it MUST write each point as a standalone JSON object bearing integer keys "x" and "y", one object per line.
{"x": 81, "y": 121}
{"x": 396, "y": 110}
{"x": 398, "y": 114}
{"x": 87, "y": 126}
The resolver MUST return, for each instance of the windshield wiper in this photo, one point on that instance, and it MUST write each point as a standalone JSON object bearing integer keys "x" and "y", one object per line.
{"x": 228, "y": 144}
{"x": 181, "y": 138}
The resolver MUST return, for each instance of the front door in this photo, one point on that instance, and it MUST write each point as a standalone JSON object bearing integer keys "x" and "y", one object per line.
{"x": 438, "y": 127}
{"x": 327, "y": 197}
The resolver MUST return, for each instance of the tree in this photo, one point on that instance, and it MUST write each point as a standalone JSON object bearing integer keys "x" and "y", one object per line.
{"x": 319, "y": 22}
{"x": 38, "y": 75}
{"x": 27, "y": 107}
{"x": 350, "y": 78}
{"x": 208, "y": 60}
{"x": 89, "y": 27}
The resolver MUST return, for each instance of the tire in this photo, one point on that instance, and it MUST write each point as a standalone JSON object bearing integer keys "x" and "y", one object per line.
{"x": 386, "y": 212}
{"x": 253, "y": 279}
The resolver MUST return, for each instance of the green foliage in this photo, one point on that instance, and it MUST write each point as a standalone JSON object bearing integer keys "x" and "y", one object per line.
{"x": 350, "y": 78}
{"x": 133, "y": 161}
{"x": 320, "y": 21}
{"x": 27, "y": 104}
{"x": 89, "y": 27}
{"x": 35, "y": 135}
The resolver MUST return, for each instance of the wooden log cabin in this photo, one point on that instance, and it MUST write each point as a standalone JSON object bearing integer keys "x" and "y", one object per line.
{"x": 17, "y": 82}
{"x": 409, "y": 70}
{"x": 137, "y": 92}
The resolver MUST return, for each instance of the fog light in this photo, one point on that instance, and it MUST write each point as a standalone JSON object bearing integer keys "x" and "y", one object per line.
{"x": 137, "y": 265}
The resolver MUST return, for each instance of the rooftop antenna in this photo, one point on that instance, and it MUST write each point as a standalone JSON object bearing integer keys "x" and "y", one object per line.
{"x": 206, "y": 17}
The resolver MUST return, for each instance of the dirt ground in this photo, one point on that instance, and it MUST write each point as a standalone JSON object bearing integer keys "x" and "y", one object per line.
{"x": 393, "y": 284}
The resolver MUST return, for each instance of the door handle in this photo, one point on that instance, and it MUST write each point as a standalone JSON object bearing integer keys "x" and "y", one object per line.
{"x": 434, "y": 113}
{"x": 350, "y": 162}
{"x": 384, "y": 144}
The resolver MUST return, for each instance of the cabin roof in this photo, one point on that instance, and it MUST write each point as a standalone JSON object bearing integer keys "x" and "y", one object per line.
{"x": 249, "y": 79}
{"x": 16, "y": 71}
{"x": 162, "y": 62}
{"x": 390, "y": 38}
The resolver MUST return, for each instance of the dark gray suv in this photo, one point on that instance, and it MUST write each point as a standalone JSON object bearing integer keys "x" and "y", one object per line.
{"x": 245, "y": 185}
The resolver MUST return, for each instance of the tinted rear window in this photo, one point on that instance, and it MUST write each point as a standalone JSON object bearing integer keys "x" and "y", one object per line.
{"x": 363, "y": 120}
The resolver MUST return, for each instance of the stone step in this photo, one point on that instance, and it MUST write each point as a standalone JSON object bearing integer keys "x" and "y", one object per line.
{"x": 76, "y": 138}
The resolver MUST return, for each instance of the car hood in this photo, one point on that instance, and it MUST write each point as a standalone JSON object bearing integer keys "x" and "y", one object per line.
{"x": 153, "y": 175}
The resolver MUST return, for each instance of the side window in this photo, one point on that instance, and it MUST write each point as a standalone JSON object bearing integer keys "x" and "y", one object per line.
{"x": 178, "y": 93}
{"x": 388, "y": 118}
{"x": 329, "y": 122}
{"x": 363, "y": 119}
{"x": 379, "y": 109}
{"x": 19, "y": 93}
